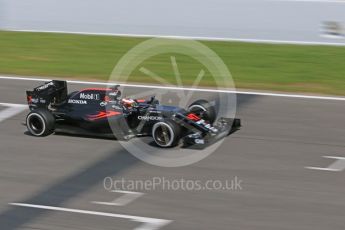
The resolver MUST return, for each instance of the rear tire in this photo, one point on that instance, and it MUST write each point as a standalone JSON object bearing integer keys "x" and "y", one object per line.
{"x": 166, "y": 133}
{"x": 40, "y": 122}
{"x": 204, "y": 110}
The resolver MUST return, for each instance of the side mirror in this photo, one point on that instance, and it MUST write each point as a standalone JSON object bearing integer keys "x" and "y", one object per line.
{"x": 152, "y": 100}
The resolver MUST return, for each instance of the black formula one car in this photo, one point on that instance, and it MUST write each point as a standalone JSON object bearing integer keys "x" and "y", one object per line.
{"x": 102, "y": 111}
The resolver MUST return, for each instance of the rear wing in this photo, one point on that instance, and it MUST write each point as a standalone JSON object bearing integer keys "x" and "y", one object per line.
{"x": 51, "y": 93}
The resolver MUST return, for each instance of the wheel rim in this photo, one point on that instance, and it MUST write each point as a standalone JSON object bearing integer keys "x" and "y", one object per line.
{"x": 199, "y": 111}
{"x": 163, "y": 134}
{"x": 36, "y": 124}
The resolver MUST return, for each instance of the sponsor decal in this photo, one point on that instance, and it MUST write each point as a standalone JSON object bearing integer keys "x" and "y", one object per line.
{"x": 103, "y": 103}
{"x": 73, "y": 101}
{"x": 202, "y": 122}
{"x": 45, "y": 86}
{"x": 89, "y": 96}
{"x": 155, "y": 111}
{"x": 199, "y": 141}
{"x": 34, "y": 100}
{"x": 149, "y": 118}
{"x": 207, "y": 126}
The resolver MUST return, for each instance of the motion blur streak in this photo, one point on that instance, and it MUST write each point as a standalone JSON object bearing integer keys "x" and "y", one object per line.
{"x": 248, "y": 19}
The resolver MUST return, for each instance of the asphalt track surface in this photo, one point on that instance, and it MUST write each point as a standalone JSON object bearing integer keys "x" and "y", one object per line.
{"x": 280, "y": 137}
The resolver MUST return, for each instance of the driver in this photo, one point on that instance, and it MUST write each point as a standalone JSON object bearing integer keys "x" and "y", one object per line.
{"x": 128, "y": 102}
{"x": 114, "y": 95}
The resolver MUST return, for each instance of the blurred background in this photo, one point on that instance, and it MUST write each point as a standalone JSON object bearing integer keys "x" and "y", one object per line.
{"x": 288, "y": 20}
{"x": 279, "y": 45}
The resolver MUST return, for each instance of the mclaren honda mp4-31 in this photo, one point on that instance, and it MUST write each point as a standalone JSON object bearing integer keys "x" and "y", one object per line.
{"x": 103, "y": 111}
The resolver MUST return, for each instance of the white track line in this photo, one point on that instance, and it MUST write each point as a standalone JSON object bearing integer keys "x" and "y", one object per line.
{"x": 323, "y": 169}
{"x": 128, "y": 197}
{"x": 149, "y": 223}
{"x": 311, "y": 1}
{"x": 12, "y": 110}
{"x": 268, "y": 41}
{"x": 337, "y": 166}
{"x": 187, "y": 89}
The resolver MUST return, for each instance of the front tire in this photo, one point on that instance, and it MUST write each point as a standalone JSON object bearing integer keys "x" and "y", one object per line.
{"x": 40, "y": 122}
{"x": 204, "y": 110}
{"x": 166, "y": 133}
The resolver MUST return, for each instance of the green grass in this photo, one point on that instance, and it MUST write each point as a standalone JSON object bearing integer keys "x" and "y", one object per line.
{"x": 295, "y": 68}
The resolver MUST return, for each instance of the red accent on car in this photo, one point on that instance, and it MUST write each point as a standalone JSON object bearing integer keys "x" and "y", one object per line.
{"x": 102, "y": 114}
{"x": 193, "y": 117}
{"x": 141, "y": 100}
{"x": 29, "y": 98}
{"x": 96, "y": 89}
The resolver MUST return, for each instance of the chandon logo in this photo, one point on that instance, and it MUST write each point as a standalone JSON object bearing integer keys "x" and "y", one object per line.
{"x": 149, "y": 118}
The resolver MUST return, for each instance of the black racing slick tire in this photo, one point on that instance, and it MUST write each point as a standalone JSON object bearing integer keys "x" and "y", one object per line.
{"x": 40, "y": 122}
{"x": 166, "y": 133}
{"x": 204, "y": 110}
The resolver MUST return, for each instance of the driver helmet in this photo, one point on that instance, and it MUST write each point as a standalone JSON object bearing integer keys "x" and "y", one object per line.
{"x": 128, "y": 102}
